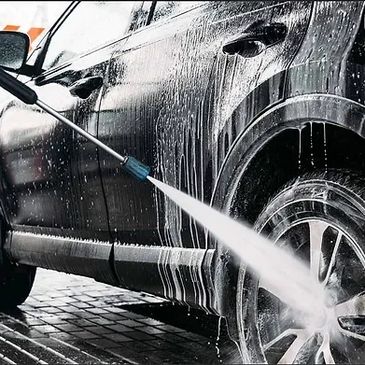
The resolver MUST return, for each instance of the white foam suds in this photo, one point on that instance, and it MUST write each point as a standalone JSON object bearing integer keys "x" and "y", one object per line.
{"x": 281, "y": 273}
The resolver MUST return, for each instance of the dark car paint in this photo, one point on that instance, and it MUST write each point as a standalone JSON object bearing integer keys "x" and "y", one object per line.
{"x": 63, "y": 195}
{"x": 318, "y": 87}
{"x": 179, "y": 136}
{"x": 197, "y": 116}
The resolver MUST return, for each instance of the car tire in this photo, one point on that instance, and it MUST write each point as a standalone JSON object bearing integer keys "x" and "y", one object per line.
{"x": 325, "y": 208}
{"x": 16, "y": 280}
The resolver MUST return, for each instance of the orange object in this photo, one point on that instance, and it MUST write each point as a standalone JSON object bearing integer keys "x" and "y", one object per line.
{"x": 34, "y": 33}
{"x": 11, "y": 27}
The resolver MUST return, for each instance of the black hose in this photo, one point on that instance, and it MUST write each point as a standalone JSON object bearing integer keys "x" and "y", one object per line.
{"x": 17, "y": 88}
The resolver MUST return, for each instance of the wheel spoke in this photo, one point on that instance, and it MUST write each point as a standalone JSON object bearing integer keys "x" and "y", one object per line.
{"x": 286, "y": 318}
{"x": 273, "y": 296}
{"x": 293, "y": 350}
{"x": 333, "y": 258}
{"x": 327, "y": 354}
{"x": 326, "y": 351}
{"x": 291, "y": 353}
{"x": 286, "y": 333}
{"x": 352, "y": 307}
{"x": 316, "y": 230}
{"x": 343, "y": 325}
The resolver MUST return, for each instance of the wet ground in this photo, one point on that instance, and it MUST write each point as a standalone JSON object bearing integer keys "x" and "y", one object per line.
{"x": 70, "y": 319}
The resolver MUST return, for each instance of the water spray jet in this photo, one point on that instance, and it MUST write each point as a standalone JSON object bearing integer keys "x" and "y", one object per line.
{"x": 271, "y": 264}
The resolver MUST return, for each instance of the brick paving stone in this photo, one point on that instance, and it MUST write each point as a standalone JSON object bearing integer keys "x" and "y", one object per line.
{"x": 42, "y": 298}
{"x": 68, "y": 327}
{"x": 112, "y": 316}
{"x": 56, "y": 295}
{"x": 40, "y": 305}
{"x": 49, "y": 320}
{"x": 81, "y": 319}
{"x": 35, "y": 321}
{"x": 150, "y": 322}
{"x": 67, "y": 316}
{"x": 136, "y": 316}
{"x": 139, "y": 336}
{"x": 117, "y": 337}
{"x": 36, "y": 334}
{"x": 81, "y": 305}
{"x": 120, "y": 328}
{"x": 117, "y": 310}
{"x": 102, "y": 321}
{"x": 83, "y": 314}
{"x": 45, "y": 328}
{"x": 97, "y": 304}
{"x": 103, "y": 343}
{"x": 14, "y": 326}
{"x": 82, "y": 298}
{"x": 57, "y": 303}
{"x": 66, "y": 299}
{"x": 96, "y": 294}
{"x": 130, "y": 323}
{"x": 96, "y": 310}
{"x": 151, "y": 330}
{"x": 64, "y": 336}
{"x": 86, "y": 335}
{"x": 52, "y": 309}
{"x": 68, "y": 309}
{"x": 83, "y": 322}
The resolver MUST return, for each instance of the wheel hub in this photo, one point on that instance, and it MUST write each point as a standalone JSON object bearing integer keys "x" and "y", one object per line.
{"x": 335, "y": 335}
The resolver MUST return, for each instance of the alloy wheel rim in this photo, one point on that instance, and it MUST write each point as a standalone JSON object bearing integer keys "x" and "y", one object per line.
{"x": 337, "y": 262}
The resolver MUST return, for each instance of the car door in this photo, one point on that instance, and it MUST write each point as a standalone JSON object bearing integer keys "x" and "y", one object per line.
{"x": 52, "y": 174}
{"x": 158, "y": 105}
{"x": 138, "y": 81}
{"x": 170, "y": 95}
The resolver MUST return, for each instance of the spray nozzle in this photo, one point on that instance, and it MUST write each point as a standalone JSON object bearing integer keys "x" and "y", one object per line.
{"x": 136, "y": 168}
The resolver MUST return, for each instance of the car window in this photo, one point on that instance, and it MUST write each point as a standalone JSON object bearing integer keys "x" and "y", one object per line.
{"x": 165, "y": 9}
{"x": 90, "y": 25}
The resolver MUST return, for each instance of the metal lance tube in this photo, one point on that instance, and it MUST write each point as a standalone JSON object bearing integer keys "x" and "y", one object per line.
{"x": 23, "y": 92}
{"x": 61, "y": 118}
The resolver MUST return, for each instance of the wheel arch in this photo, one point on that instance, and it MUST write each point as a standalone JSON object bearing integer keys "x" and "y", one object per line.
{"x": 269, "y": 147}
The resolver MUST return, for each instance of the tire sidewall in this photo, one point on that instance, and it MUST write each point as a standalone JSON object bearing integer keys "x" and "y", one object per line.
{"x": 334, "y": 197}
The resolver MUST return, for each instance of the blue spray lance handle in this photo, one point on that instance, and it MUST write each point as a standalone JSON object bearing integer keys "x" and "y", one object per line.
{"x": 136, "y": 168}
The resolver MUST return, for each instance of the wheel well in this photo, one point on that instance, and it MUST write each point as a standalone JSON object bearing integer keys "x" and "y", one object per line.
{"x": 291, "y": 153}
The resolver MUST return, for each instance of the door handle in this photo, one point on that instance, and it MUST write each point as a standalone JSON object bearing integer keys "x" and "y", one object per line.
{"x": 256, "y": 39}
{"x": 84, "y": 87}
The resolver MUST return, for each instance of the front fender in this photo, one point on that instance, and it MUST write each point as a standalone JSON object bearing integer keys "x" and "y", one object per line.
{"x": 293, "y": 113}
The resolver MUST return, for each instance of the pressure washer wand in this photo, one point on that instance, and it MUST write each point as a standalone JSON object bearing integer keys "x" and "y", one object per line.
{"x": 134, "y": 167}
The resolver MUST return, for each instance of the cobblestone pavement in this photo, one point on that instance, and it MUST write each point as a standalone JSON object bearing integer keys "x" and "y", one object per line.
{"x": 70, "y": 319}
